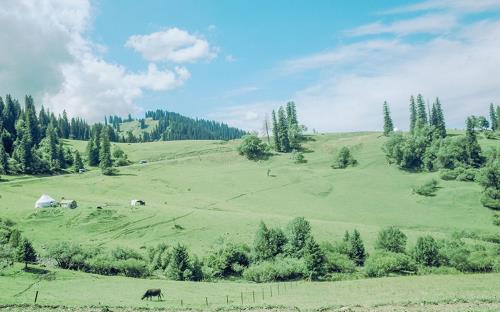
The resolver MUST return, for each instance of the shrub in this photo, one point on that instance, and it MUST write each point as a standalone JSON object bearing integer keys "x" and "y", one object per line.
{"x": 159, "y": 257}
{"x": 279, "y": 269}
{"x": 385, "y": 263}
{"x": 426, "y": 251}
{"x": 496, "y": 219}
{"x": 344, "y": 159}
{"x": 298, "y": 157}
{"x": 228, "y": 260}
{"x": 391, "y": 239}
{"x": 339, "y": 263}
{"x": 253, "y": 148}
{"x": 268, "y": 243}
{"x": 298, "y": 232}
{"x": 70, "y": 255}
{"x": 429, "y": 188}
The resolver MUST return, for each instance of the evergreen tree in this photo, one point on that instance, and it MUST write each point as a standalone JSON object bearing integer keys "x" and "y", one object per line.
{"x": 92, "y": 153}
{"x": 78, "y": 163}
{"x": 50, "y": 145}
{"x": 23, "y": 152}
{"x": 298, "y": 231}
{"x": 179, "y": 263}
{"x": 283, "y": 131}
{"x": 276, "y": 137}
{"x": 493, "y": 118}
{"x": 498, "y": 117}
{"x": 421, "y": 121}
{"x": 15, "y": 238}
{"x": 105, "y": 162}
{"x": 26, "y": 253}
{"x": 413, "y": 114}
{"x": 31, "y": 121}
{"x": 314, "y": 259}
{"x": 439, "y": 118}
{"x": 475, "y": 159}
{"x": 4, "y": 160}
{"x": 388, "y": 125}
{"x": 356, "y": 248}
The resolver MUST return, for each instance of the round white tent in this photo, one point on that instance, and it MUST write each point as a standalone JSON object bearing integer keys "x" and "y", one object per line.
{"x": 45, "y": 201}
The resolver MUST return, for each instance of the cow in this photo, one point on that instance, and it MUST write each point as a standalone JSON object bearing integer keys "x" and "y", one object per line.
{"x": 152, "y": 293}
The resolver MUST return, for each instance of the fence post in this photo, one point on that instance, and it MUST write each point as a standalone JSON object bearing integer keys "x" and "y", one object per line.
{"x": 278, "y": 289}
{"x": 271, "y": 289}
{"x": 262, "y": 293}
{"x": 182, "y": 303}
{"x": 241, "y": 297}
{"x": 253, "y": 296}
{"x": 206, "y": 301}
{"x": 36, "y": 296}
{"x": 227, "y": 299}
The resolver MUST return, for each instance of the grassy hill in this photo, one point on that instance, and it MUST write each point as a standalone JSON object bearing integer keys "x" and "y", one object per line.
{"x": 198, "y": 192}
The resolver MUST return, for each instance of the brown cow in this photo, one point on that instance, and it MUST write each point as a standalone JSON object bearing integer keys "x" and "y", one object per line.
{"x": 152, "y": 293}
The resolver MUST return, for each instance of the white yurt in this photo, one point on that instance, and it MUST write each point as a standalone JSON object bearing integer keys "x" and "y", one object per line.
{"x": 45, "y": 201}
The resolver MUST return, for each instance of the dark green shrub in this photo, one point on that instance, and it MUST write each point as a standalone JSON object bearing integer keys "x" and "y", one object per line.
{"x": 429, "y": 188}
{"x": 279, "y": 269}
{"x": 228, "y": 260}
{"x": 339, "y": 263}
{"x": 496, "y": 219}
{"x": 268, "y": 243}
{"x": 253, "y": 148}
{"x": 391, "y": 239}
{"x": 426, "y": 251}
{"x": 344, "y": 159}
{"x": 384, "y": 263}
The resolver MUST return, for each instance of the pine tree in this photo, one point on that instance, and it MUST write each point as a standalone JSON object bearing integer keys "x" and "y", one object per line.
{"x": 179, "y": 263}
{"x": 439, "y": 119}
{"x": 498, "y": 117}
{"x": 314, "y": 259}
{"x": 421, "y": 113}
{"x": 388, "y": 125}
{"x": 77, "y": 162}
{"x": 299, "y": 231}
{"x": 413, "y": 114}
{"x": 357, "y": 248}
{"x": 23, "y": 152}
{"x": 52, "y": 151}
{"x": 92, "y": 153}
{"x": 283, "y": 131}
{"x": 4, "y": 160}
{"x": 276, "y": 137}
{"x": 493, "y": 118}
{"x": 475, "y": 159}
{"x": 26, "y": 253}
{"x": 31, "y": 121}
{"x": 105, "y": 162}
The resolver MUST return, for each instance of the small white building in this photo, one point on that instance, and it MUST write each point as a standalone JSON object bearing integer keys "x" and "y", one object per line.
{"x": 137, "y": 202}
{"x": 45, "y": 201}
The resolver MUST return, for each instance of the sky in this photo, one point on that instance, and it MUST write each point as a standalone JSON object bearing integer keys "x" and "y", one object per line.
{"x": 236, "y": 61}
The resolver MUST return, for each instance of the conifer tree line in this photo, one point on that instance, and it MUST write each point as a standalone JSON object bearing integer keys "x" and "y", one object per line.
{"x": 173, "y": 126}
{"x": 30, "y": 139}
{"x": 287, "y": 133}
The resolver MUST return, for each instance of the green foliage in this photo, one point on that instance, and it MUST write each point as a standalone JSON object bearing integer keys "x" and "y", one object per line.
{"x": 78, "y": 163}
{"x": 384, "y": 263}
{"x": 26, "y": 253}
{"x": 429, "y": 188}
{"x": 298, "y": 157}
{"x": 391, "y": 239}
{"x": 119, "y": 157}
{"x": 179, "y": 267}
{"x": 105, "y": 162}
{"x": 268, "y": 243}
{"x": 489, "y": 179}
{"x": 228, "y": 260}
{"x": 279, "y": 269}
{"x": 388, "y": 125}
{"x": 426, "y": 251}
{"x": 298, "y": 233}
{"x": 314, "y": 259}
{"x": 413, "y": 114}
{"x": 496, "y": 219}
{"x": 253, "y": 148}
{"x": 344, "y": 159}
{"x": 356, "y": 248}
{"x": 339, "y": 263}
{"x": 287, "y": 134}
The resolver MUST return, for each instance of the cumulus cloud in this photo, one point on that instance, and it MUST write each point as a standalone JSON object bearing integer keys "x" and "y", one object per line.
{"x": 49, "y": 56}
{"x": 174, "y": 45}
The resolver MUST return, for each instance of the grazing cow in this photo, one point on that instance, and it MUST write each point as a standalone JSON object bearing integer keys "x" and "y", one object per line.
{"x": 152, "y": 293}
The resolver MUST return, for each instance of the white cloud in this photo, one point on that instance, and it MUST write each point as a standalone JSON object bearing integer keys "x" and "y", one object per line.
{"x": 460, "y": 6}
{"x": 431, "y": 23}
{"x": 174, "y": 45}
{"x": 49, "y": 56}
{"x": 230, "y": 58}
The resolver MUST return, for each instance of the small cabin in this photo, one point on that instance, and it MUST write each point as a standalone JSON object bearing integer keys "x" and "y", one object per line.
{"x": 68, "y": 203}
{"x": 137, "y": 202}
{"x": 45, "y": 201}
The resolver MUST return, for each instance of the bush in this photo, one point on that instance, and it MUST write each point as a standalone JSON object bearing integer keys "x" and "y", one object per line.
{"x": 344, "y": 159}
{"x": 496, "y": 219}
{"x": 429, "y": 188}
{"x": 426, "y": 251}
{"x": 228, "y": 260}
{"x": 298, "y": 157}
{"x": 280, "y": 269}
{"x": 339, "y": 263}
{"x": 253, "y": 148}
{"x": 391, "y": 239}
{"x": 385, "y": 263}
{"x": 467, "y": 258}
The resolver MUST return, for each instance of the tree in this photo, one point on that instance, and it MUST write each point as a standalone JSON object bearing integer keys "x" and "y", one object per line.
{"x": 268, "y": 243}
{"x": 421, "y": 120}
{"x": 78, "y": 163}
{"x": 4, "y": 160}
{"x": 253, "y": 148}
{"x": 356, "y": 248}
{"x": 388, "y": 125}
{"x": 439, "y": 118}
{"x": 179, "y": 265}
{"x": 426, "y": 251}
{"x": 473, "y": 149}
{"x": 489, "y": 179}
{"x": 26, "y": 253}
{"x": 493, "y": 118}
{"x": 294, "y": 130}
{"x": 391, "y": 239}
{"x": 276, "y": 137}
{"x": 344, "y": 159}
{"x": 283, "y": 131}
{"x": 105, "y": 162}
{"x": 314, "y": 259}
{"x": 23, "y": 152}
{"x": 298, "y": 232}
{"x": 266, "y": 126}
{"x": 92, "y": 153}
{"x": 413, "y": 114}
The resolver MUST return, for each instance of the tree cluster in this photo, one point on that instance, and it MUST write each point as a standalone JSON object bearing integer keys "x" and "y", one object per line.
{"x": 99, "y": 150}
{"x": 287, "y": 133}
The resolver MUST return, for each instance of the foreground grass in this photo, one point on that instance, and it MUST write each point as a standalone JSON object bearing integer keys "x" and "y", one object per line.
{"x": 75, "y": 289}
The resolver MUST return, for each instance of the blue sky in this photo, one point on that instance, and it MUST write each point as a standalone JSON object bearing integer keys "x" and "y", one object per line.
{"x": 235, "y": 61}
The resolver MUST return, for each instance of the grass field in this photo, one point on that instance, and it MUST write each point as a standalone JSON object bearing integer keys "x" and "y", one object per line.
{"x": 212, "y": 193}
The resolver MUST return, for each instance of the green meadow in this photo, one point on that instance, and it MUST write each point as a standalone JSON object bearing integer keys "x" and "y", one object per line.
{"x": 202, "y": 192}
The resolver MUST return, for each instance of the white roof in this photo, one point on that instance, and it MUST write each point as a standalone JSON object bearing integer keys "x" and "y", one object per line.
{"x": 45, "y": 199}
